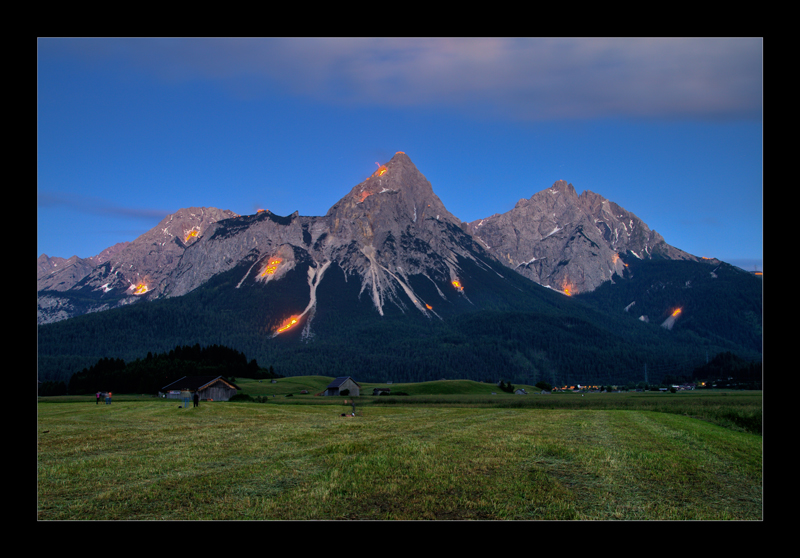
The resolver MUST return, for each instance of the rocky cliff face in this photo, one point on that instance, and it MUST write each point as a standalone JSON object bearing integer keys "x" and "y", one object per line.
{"x": 568, "y": 242}
{"x": 384, "y": 231}
{"x": 120, "y": 274}
{"x": 391, "y": 234}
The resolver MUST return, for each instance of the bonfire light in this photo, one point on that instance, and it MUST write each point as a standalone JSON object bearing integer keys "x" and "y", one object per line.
{"x": 272, "y": 266}
{"x": 287, "y": 324}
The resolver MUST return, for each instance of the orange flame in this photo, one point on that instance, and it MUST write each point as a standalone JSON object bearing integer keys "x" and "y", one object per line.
{"x": 287, "y": 324}
{"x": 272, "y": 266}
{"x": 190, "y": 234}
{"x": 140, "y": 289}
{"x": 457, "y": 285}
{"x": 429, "y": 307}
{"x": 676, "y": 312}
{"x": 566, "y": 287}
{"x": 381, "y": 170}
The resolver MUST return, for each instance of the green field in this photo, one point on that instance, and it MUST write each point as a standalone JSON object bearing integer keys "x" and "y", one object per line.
{"x": 448, "y": 451}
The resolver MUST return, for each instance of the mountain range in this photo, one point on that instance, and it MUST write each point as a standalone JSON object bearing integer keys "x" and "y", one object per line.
{"x": 388, "y": 259}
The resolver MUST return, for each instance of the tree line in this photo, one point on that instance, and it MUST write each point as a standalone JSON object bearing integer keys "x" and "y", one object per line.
{"x": 152, "y": 373}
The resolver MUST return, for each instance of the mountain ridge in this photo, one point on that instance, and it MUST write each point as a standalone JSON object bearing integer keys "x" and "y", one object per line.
{"x": 385, "y": 229}
{"x": 569, "y": 242}
{"x": 388, "y": 284}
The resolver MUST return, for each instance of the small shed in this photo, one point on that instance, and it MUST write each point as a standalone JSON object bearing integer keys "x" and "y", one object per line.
{"x": 342, "y": 383}
{"x": 381, "y": 391}
{"x": 210, "y": 388}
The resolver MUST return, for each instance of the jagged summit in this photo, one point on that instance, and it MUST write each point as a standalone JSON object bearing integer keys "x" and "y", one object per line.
{"x": 568, "y": 242}
{"x": 397, "y": 187}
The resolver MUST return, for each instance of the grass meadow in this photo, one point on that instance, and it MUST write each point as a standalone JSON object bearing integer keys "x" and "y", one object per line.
{"x": 428, "y": 456}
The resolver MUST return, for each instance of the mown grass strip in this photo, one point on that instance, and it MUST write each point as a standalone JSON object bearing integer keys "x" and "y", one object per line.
{"x": 140, "y": 460}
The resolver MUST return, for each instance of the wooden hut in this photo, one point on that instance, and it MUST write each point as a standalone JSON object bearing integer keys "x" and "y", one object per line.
{"x": 210, "y": 388}
{"x": 342, "y": 383}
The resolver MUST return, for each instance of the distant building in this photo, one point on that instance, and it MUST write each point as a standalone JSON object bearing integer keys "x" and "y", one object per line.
{"x": 210, "y": 388}
{"x": 342, "y": 383}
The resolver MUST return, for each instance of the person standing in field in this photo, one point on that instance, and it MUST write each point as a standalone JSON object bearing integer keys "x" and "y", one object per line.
{"x": 196, "y": 399}
{"x": 97, "y": 398}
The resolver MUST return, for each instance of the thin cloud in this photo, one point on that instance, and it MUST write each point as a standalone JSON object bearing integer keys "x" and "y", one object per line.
{"x": 520, "y": 79}
{"x": 95, "y": 206}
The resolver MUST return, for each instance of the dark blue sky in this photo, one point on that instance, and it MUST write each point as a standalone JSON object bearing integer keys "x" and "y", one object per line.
{"x": 130, "y": 130}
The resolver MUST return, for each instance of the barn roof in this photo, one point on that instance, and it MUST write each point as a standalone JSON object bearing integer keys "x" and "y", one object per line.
{"x": 195, "y": 383}
{"x": 340, "y": 380}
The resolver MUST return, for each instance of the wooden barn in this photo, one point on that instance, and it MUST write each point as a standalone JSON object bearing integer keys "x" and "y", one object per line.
{"x": 210, "y": 388}
{"x": 342, "y": 383}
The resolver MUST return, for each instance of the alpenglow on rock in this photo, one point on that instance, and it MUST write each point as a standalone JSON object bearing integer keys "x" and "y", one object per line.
{"x": 568, "y": 242}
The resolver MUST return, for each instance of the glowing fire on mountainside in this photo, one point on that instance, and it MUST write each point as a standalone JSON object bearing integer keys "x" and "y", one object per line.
{"x": 457, "y": 284}
{"x": 190, "y": 234}
{"x": 380, "y": 172}
{"x": 271, "y": 266}
{"x": 139, "y": 289}
{"x": 290, "y": 322}
{"x": 566, "y": 287}
{"x": 670, "y": 321}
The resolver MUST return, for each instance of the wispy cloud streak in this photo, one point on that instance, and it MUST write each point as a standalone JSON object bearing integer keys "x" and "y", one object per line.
{"x": 95, "y": 206}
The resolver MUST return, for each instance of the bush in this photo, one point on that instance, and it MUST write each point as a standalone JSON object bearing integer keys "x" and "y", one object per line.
{"x": 241, "y": 397}
{"x": 507, "y": 387}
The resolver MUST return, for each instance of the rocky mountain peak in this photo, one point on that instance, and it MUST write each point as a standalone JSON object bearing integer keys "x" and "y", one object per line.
{"x": 397, "y": 191}
{"x": 140, "y": 266}
{"x": 568, "y": 242}
{"x": 563, "y": 187}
